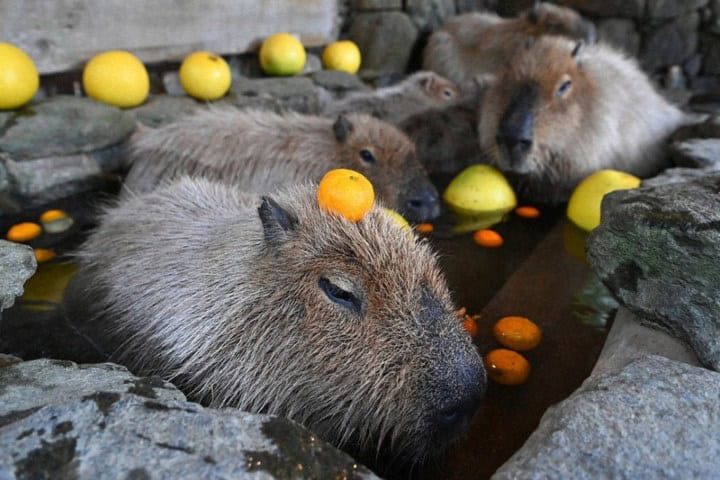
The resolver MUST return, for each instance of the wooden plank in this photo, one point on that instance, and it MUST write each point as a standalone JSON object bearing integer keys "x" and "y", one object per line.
{"x": 63, "y": 34}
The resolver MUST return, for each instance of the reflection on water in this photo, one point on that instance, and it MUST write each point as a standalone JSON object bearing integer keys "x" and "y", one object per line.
{"x": 44, "y": 290}
{"x": 594, "y": 305}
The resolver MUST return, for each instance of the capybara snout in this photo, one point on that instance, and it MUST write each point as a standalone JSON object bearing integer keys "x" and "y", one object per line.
{"x": 515, "y": 131}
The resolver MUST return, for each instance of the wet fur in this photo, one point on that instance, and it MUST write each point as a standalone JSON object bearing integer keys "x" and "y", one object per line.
{"x": 187, "y": 284}
{"x": 258, "y": 150}
{"x": 483, "y": 43}
{"x": 611, "y": 118}
{"x": 418, "y": 92}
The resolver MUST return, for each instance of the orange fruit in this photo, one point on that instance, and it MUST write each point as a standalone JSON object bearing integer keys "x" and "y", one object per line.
{"x": 347, "y": 193}
{"x": 23, "y": 232}
{"x": 527, "y": 211}
{"x": 507, "y": 367}
{"x": 518, "y": 333}
{"x": 425, "y": 227}
{"x": 471, "y": 326}
{"x": 488, "y": 238}
{"x": 44, "y": 255}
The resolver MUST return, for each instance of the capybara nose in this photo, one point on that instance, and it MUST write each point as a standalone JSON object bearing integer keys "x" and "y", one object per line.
{"x": 459, "y": 407}
{"x": 422, "y": 204}
{"x": 514, "y": 147}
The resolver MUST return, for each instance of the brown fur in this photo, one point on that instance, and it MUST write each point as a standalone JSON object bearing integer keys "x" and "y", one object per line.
{"x": 258, "y": 151}
{"x": 609, "y": 116}
{"x": 483, "y": 43}
{"x": 196, "y": 283}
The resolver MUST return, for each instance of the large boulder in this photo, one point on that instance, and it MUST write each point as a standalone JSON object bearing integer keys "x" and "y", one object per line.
{"x": 62, "y": 420}
{"x": 657, "y": 249}
{"x": 386, "y": 40}
{"x": 17, "y": 264}
{"x": 656, "y": 418}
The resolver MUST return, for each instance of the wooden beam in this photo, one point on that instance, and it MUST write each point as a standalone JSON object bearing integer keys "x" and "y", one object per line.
{"x": 63, "y": 34}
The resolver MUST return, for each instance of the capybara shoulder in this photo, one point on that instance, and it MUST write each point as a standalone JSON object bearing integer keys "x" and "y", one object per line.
{"x": 270, "y": 304}
{"x": 476, "y": 43}
{"x": 258, "y": 150}
{"x": 562, "y": 110}
{"x": 418, "y": 92}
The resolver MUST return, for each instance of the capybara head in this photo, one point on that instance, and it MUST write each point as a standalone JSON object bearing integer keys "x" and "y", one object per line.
{"x": 438, "y": 88}
{"x": 275, "y": 305}
{"x": 387, "y": 158}
{"x": 548, "y": 19}
{"x": 531, "y": 115}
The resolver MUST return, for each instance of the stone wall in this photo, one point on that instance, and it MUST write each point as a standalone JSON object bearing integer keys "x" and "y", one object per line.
{"x": 662, "y": 33}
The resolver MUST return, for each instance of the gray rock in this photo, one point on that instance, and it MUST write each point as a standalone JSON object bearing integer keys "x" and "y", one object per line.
{"x": 464, "y": 6}
{"x": 429, "y": 15}
{"x": 171, "y": 84}
{"x": 710, "y": 46}
{"x": 37, "y": 383}
{"x": 608, "y": 8}
{"x": 696, "y": 152}
{"x": 715, "y": 9}
{"x": 5, "y": 118}
{"x": 656, "y": 249}
{"x": 77, "y": 421}
{"x": 263, "y": 102}
{"x": 163, "y": 109}
{"x": 671, "y": 44}
{"x": 386, "y": 40}
{"x": 680, "y": 175}
{"x": 65, "y": 125}
{"x": 675, "y": 78}
{"x": 620, "y": 33}
{"x": 656, "y": 418}
{"x": 665, "y": 9}
{"x": 293, "y": 93}
{"x": 338, "y": 82}
{"x": 312, "y": 64}
{"x": 17, "y": 264}
{"x": 376, "y": 4}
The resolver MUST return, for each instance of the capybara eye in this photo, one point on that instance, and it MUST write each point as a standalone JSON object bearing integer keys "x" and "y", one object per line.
{"x": 564, "y": 88}
{"x": 367, "y": 156}
{"x": 447, "y": 93}
{"x": 339, "y": 296}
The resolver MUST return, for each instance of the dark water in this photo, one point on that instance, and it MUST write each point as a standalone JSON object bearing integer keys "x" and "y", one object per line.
{"x": 539, "y": 273}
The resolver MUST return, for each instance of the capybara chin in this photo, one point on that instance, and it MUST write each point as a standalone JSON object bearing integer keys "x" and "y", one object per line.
{"x": 273, "y": 305}
{"x": 561, "y": 111}
{"x": 418, "y": 92}
{"x": 476, "y": 43}
{"x": 258, "y": 150}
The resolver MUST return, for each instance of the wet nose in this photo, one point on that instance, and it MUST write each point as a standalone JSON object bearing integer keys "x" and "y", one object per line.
{"x": 515, "y": 132}
{"x": 458, "y": 409}
{"x": 422, "y": 204}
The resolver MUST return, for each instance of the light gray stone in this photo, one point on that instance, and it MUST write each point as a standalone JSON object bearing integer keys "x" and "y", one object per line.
{"x": 620, "y": 33}
{"x": 50, "y": 178}
{"x": 386, "y": 40}
{"x": 656, "y": 249}
{"x": 429, "y": 15}
{"x": 17, "y": 264}
{"x": 312, "y": 64}
{"x": 338, "y": 82}
{"x": 710, "y": 47}
{"x": 61, "y": 420}
{"x": 293, "y": 93}
{"x": 671, "y": 44}
{"x": 680, "y": 175}
{"x": 171, "y": 84}
{"x": 665, "y": 9}
{"x": 163, "y": 109}
{"x": 376, "y": 4}
{"x": 656, "y": 418}
{"x": 696, "y": 152}
{"x": 65, "y": 125}
{"x": 715, "y": 10}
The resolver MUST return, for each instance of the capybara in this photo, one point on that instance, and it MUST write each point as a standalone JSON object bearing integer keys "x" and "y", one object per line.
{"x": 258, "y": 150}
{"x": 562, "y": 110}
{"x": 418, "y": 92}
{"x": 483, "y": 43}
{"x": 270, "y": 304}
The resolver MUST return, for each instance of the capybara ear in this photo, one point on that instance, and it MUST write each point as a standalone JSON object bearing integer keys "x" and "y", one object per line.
{"x": 276, "y": 221}
{"x": 427, "y": 82}
{"x": 579, "y": 46}
{"x": 342, "y": 128}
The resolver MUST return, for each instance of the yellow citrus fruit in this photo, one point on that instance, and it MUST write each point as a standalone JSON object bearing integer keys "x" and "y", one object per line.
{"x": 116, "y": 77}
{"x": 205, "y": 76}
{"x": 347, "y": 193}
{"x": 584, "y": 204}
{"x": 282, "y": 54}
{"x": 19, "y": 79}
{"x": 398, "y": 219}
{"x": 480, "y": 189}
{"x": 343, "y": 55}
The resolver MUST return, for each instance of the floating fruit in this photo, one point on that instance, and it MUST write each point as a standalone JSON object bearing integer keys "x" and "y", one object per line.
{"x": 584, "y": 204}
{"x": 55, "y": 221}
{"x": 526, "y": 211}
{"x": 488, "y": 238}
{"x": 23, "y": 232}
{"x": 425, "y": 228}
{"x": 44, "y": 255}
{"x": 480, "y": 189}
{"x": 397, "y": 218}
{"x": 517, "y": 333}
{"x": 507, "y": 367}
